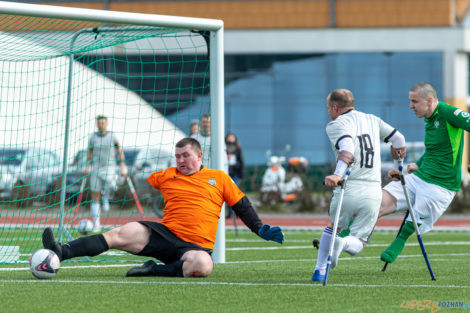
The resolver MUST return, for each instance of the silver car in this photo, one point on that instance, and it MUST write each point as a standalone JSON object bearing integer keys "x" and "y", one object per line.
{"x": 75, "y": 176}
{"x": 148, "y": 161}
{"x": 140, "y": 162}
{"x": 26, "y": 174}
{"x": 141, "y": 165}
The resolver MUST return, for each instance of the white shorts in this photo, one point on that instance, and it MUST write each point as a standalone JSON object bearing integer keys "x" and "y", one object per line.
{"x": 429, "y": 201}
{"x": 103, "y": 181}
{"x": 361, "y": 201}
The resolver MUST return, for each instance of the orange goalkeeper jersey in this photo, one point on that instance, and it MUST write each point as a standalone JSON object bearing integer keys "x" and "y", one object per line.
{"x": 193, "y": 203}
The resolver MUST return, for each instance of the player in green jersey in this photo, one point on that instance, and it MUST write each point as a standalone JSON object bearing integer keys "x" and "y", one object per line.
{"x": 436, "y": 176}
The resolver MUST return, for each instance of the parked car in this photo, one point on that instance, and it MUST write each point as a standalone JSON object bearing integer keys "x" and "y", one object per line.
{"x": 140, "y": 163}
{"x": 414, "y": 150}
{"x": 74, "y": 179}
{"x": 75, "y": 175}
{"x": 148, "y": 161}
{"x": 26, "y": 173}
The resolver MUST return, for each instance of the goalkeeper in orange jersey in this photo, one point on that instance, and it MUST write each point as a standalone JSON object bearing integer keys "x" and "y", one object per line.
{"x": 185, "y": 238}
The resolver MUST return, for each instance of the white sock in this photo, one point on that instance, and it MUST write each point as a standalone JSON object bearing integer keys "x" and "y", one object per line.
{"x": 105, "y": 202}
{"x": 95, "y": 213}
{"x": 352, "y": 245}
{"x": 322, "y": 257}
{"x": 337, "y": 249}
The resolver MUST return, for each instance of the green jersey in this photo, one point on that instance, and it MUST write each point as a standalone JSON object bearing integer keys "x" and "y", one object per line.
{"x": 441, "y": 163}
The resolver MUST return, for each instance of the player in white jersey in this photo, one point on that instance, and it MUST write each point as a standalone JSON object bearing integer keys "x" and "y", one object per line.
{"x": 101, "y": 165}
{"x": 204, "y": 137}
{"x": 355, "y": 138}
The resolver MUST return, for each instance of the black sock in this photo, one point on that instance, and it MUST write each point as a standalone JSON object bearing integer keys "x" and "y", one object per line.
{"x": 84, "y": 246}
{"x": 174, "y": 269}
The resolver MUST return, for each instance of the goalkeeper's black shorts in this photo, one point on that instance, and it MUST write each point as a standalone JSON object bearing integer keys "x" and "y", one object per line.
{"x": 164, "y": 245}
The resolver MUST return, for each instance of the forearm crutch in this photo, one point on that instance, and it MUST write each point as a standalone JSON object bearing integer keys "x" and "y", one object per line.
{"x": 342, "y": 183}
{"x": 134, "y": 194}
{"x": 79, "y": 198}
{"x": 410, "y": 210}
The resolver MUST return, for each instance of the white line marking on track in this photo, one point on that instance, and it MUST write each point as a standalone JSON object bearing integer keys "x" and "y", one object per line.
{"x": 431, "y": 243}
{"x": 354, "y": 258}
{"x": 225, "y": 283}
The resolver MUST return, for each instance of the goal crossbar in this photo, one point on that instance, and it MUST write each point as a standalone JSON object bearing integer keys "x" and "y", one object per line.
{"x": 93, "y": 15}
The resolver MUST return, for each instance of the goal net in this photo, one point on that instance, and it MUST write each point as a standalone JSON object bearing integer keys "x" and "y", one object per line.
{"x": 63, "y": 69}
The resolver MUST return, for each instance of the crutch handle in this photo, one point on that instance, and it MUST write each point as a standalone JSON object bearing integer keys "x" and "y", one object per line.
{"x": 400, "y": 162}
{"x": 340, "y": 183}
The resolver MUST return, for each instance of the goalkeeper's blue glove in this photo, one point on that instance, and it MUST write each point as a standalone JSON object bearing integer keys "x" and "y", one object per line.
{"x": 271, "y": 233}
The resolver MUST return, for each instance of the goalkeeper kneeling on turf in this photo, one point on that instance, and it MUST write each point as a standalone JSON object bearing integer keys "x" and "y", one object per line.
{"x": 185, "y": 238}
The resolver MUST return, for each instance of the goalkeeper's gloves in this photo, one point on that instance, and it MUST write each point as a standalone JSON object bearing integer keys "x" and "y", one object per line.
{"x": 271, "y": 233}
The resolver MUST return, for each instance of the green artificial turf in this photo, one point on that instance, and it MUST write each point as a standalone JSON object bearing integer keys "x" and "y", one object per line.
{"x": 259, "y": 277}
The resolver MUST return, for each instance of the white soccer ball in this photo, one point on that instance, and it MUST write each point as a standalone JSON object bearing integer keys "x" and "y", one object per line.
{"x": 85, "y": 226}
{"x": 44, "y": 263}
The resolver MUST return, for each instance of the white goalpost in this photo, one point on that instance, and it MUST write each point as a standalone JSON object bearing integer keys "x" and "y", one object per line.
{"x": 87, "y": 21}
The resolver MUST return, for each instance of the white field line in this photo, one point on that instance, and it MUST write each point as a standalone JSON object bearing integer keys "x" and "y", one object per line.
{"x": 109, "y": 252}
{"x": 258, "y": 240}
{"x": 457, "y": 228}
{"x": 227, "y": 240}
{"x": 16, "y": 239}
{"x": 430, "y": 243}
{"x": 6, "y": 269}
{"x": 203, "y": 283}
{"x": 355, "y": 258}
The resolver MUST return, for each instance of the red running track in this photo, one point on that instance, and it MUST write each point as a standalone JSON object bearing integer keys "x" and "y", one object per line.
{"x": 446, "y": 222}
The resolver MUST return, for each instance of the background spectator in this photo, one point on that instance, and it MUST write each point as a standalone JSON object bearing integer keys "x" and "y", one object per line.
{"x": 235, "y": 162}
{"x": 204, "y": 138}
{"x": 194, "y": 127}
{"x": 235, "y": 158}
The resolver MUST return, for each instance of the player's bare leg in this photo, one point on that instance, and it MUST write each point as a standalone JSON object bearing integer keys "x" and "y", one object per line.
{"x": 132, "y": 237}
{"x": 197, "y": 263}
{"x": 388, "y": 205}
